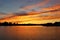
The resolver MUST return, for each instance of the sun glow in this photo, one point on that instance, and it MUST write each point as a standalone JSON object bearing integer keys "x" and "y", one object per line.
{"x": 35, "y": 17}
{"x": 31, "y": 19}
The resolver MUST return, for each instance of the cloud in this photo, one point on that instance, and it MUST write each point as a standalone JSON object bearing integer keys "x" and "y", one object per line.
{"x": 5, "y": 15}
{"x": 45, "y": 12}
{"x": 11, "y": 15}
{"x": 29, "y": 7}
{"x": 54, "y": 7}
{"x": 49, "y": 13}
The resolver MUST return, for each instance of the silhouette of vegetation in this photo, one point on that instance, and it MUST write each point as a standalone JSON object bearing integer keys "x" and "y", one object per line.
{"x": 16, "y": 24}
{"x": 52, "y": 24}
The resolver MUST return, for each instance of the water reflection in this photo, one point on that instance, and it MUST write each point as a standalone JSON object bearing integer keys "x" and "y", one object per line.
{"x": 28, "y": 33}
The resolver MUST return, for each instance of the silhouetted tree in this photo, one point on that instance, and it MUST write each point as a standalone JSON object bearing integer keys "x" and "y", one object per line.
{"x": 5, "y": 23}
{"x": 57, "y": 23}
{"x": 10, "y": 23}
{"x": 13, "y": 23}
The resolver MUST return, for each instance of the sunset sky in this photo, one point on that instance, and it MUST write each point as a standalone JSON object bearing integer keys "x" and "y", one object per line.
{"x": 30, "y": 11}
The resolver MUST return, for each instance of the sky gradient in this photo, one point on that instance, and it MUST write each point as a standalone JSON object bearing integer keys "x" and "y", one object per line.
{"x": 30, "y": 11}
{"x": 15, "y": 5}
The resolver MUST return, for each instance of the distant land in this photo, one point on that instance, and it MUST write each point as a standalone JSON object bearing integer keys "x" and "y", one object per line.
{"x": 16, "y": 24}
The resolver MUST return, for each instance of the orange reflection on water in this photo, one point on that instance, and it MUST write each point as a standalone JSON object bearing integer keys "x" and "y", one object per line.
{"x": 25, "y": 31}
{"x": 29, "y": 32}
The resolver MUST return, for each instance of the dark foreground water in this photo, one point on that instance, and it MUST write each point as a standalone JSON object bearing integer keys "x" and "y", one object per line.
{"x": 29, "y": 33}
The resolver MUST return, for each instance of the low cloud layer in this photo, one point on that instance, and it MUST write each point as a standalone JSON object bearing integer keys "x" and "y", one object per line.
{"x": 44, "y": 11}
{"x": 31, "y": 7}
{"x": 40, "y": 17}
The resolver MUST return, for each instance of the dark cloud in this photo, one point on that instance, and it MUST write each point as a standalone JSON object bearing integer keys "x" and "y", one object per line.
{"x": 1, "y": 13}
{"x": 52, "y": 10}
{"x": 20, "y": 14}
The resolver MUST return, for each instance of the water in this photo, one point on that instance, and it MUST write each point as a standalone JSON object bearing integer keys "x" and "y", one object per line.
{"x": 29, "y": 33}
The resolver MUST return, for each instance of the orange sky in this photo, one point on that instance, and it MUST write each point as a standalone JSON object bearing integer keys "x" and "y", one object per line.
{"x": 36, "y": 17}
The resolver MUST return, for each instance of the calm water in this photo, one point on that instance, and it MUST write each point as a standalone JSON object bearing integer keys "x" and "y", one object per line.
{"x": 29, "y": 33}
